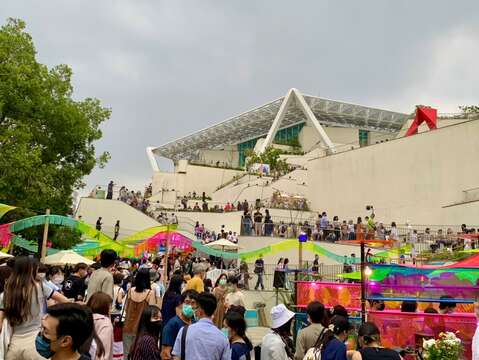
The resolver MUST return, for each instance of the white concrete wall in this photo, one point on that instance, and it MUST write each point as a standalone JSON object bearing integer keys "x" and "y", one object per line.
{"x": 212, "y": 221}
{"x": 207, "y": 179}
{"x": 441, "y": 122}
{"x": 406, "y": 179}
{"x": 193, "y": 178}
{"x": 309, "y": 138}
{"x": 131, "y": 220}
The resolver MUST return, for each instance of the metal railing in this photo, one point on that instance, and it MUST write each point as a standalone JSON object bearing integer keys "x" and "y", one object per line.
{"x": 325, "y": 273}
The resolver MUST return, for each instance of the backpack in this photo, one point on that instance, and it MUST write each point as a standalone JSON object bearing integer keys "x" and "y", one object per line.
{"x": 314, "y": 353}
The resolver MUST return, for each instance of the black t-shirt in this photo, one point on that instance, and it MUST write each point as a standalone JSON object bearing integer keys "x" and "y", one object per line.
{"x": 258, "y": 217}
{"x": 74, "y": 287}
{"x": 375, "y": 353}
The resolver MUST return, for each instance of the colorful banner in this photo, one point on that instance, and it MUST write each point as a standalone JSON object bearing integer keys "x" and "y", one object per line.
{"x": 150, "y": 238}
{"x": 329, "y": 294}
{"x": 5, "y": 208}
{"x": 400, "y": 329}
{"x": 349, "y": 295}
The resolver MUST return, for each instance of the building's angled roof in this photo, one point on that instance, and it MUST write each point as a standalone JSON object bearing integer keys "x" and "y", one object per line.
{"x": 256, "y": 123}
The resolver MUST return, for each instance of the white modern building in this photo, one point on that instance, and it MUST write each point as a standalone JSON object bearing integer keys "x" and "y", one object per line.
{"x": 342, "y": 156}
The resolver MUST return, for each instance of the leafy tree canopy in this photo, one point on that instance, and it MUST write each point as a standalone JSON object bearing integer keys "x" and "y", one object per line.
{"x": 270, "y": 156}
{"x": 46, "y": 138}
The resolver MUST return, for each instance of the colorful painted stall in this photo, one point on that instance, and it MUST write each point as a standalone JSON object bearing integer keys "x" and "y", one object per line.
{"x": 402, "y": 330}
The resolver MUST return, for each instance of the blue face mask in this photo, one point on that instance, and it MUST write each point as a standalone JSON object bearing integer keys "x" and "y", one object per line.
{"x": 42, "y": 345}
{"x": 225, "y": 332}
{"x": 188, "y": 311}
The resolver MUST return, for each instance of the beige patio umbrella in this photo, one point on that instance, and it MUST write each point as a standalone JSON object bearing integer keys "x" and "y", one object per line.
{"x": 223, "y": 245}
{"x": 65, "y": 257}
{"x": 4, "y": 255}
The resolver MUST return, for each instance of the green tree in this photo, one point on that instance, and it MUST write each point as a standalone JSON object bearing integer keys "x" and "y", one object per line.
{"x": 46, "y": 138}
{"x": 270, "y": 156}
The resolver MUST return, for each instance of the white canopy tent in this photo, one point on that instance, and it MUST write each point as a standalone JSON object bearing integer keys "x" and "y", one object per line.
{"x": 65, "y": 257}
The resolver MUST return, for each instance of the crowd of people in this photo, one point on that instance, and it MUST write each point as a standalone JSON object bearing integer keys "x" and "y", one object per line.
{"x": 135, "y": 199}
{"x": 121, "y": 308}
{"x": 368, "y": 228}
{"x": 117, "y": 308}
{"x": 205, "y": 236}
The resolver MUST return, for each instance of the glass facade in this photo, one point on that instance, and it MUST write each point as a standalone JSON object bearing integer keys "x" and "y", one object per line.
{"x": 242, "y": 149}
{"x": 288, "y": 134}
{"x": 363, "y": 137}
{"x": 283, "y": 136}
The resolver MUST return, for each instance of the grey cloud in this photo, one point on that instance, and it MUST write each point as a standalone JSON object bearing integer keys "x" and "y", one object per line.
{"x": 169, "y": 68}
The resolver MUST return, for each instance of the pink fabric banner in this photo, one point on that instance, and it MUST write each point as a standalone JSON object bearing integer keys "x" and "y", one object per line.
{"x": 399, "y": 329}
{"x": 349, "y": 295}
{"x": 5, "y": 235}
{"x": 151, "y": 244}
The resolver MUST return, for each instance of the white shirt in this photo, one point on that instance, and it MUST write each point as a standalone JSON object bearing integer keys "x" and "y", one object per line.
{"x": 475, "y": 344}
{"x": 272, "y": 348}
{"x": 236, "y": 298}
{"x": 394, "y": 233}
{"x": 413, "y": 238}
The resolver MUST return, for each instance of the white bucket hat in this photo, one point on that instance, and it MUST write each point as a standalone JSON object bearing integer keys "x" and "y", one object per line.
{"x": 280, "y": 315}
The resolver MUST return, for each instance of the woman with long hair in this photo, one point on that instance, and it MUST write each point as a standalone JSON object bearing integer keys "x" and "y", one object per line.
{"x": 171, "y": 299}
{"x": 241, "y": 346}
{"x": 138, "y": 298}
{"x": 331, "y": 342}
{"x": 24, "y": 303}
{"x": 370, "y": 343}
{"x": 279, "y": 276}
{"x": 145, "y": 346}
{"x": 219, "y": 292}
{"x": 100, "y": 305}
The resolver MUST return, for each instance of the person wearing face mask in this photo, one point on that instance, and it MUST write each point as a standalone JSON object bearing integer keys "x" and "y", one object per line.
{"x": 55, "y": 278}
{"x": 145, "y": 346}
{"x": 219, "y": 292}
{"x": 23, "y": 303}
{"x": 65, "y": 328}
{"x": 184, "y": 316}
{"x": 202, "y": 340}
{"x": 370, "y": 343}
{"x": 241, "y": 346}
{"x": 330, "y": 345}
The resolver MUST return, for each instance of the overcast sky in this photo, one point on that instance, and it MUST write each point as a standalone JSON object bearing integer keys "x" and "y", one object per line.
{"x": 169, "y": 68}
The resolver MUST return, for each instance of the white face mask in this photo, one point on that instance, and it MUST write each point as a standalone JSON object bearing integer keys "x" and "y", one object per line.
{"x": 58, "y": 279}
